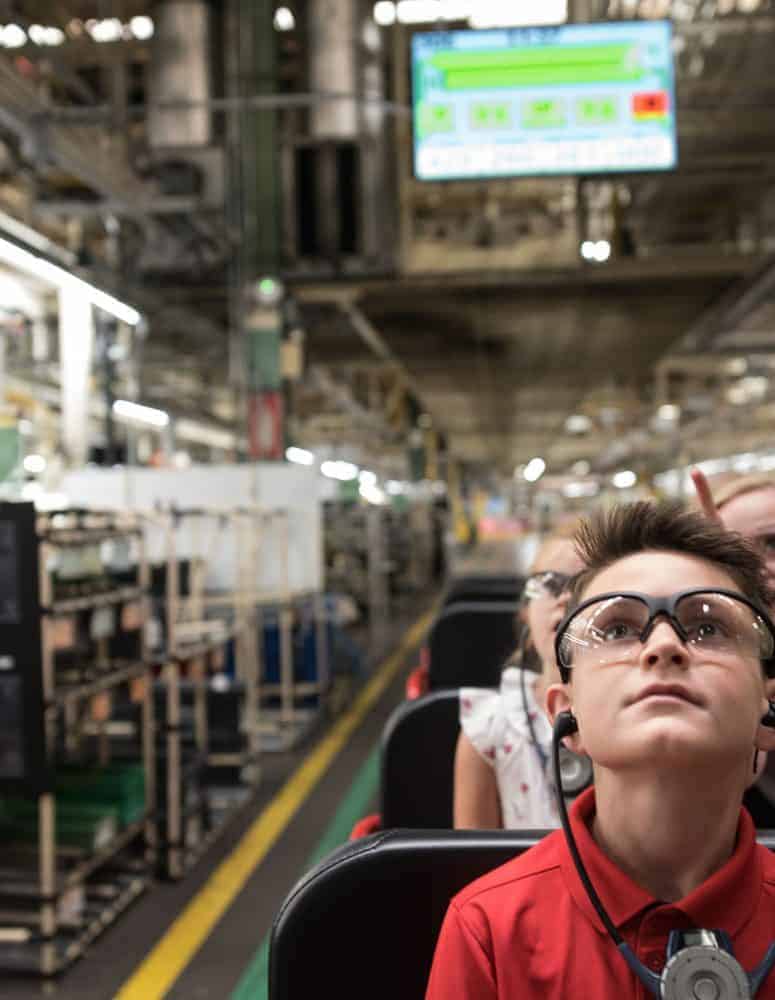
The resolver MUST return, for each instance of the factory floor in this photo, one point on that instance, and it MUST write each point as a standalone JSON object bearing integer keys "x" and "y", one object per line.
{"x": 206, "y": 936}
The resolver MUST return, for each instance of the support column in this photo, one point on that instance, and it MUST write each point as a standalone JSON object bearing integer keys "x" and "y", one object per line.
{"x": 76, "y": 350}
{"x": 255, "y": 208}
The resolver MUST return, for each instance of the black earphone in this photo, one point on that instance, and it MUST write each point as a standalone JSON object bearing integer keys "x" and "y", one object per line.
{"x": 695, "y": 957}
{"x": 576, "y": 768}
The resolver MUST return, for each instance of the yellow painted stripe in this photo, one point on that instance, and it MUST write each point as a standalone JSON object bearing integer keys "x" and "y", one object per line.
{"x": 164, "y": 964}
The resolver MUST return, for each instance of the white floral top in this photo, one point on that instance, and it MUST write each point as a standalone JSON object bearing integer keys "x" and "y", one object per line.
{"x": 496, "y": 724}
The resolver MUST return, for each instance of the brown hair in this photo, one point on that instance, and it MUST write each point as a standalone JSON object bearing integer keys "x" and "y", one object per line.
{"x": 627, "y": 529}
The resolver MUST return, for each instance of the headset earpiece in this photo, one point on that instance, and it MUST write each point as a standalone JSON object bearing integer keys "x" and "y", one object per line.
{"x": 566, "y": 724}
{"x": 768, "y": 719}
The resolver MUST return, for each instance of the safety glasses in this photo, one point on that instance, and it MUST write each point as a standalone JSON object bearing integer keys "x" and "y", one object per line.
{"x": 550, "y": 583}
{"x": 612, "y": 627}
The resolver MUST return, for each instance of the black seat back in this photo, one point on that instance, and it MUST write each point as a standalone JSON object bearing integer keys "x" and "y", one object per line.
{"x": 469, "y": 643}
{"x": 364, "y": 922}
{"x": 418, "y": 762}
{"x": 483, "y": 588}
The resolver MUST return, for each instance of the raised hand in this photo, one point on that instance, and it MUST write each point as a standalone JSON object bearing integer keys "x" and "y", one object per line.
{"x": 704, "y": 495}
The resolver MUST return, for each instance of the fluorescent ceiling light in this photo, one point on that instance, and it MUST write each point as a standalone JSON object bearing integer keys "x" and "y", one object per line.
{"x": 108, "y": 30}
{"x": 12, "y": 36}
{"x": 385, "y": 13}
{"x": 574, "y": 490}
{"x": 420, "y": 11}
{"x": 141, "y": 414}
{"x": 517, "y": 13}
{"x": 669, "y": 412}
{"x": 35, "y": 239}
{"x": 367, "y": 478}
{"x": 534, "y": 470}
{"x": 625, "y": 479}
{"x": 284, "y": 19}
{"x": 343, "y": 471}
{"x": 38, "y": 267}
{"x": 478, "y": 13}
{"x": 142, "y": 27}
{"x": 42, "y": 34}
{"x": 373, "y": 494}
{"x": 300, "y": 456}
{"x": 578, "y": 423}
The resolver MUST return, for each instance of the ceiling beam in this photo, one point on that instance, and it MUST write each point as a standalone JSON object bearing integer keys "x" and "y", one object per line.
{"x": 635, "y": 271}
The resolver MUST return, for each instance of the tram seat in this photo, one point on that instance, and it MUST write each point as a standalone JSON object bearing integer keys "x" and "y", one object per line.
{"x": 483, "y": 588}
{"x": 504, "y": 589}
{"x": 418, "y": 762}
{"x": 417, "y": 766}
{"x": 469, "y": 643}
{"x": 364, "y": 922}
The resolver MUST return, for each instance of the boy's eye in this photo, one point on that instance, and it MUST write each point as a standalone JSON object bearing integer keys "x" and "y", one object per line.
{"x": 767, "y": 544}
{"x": 615, "y": 632}
{"x": 708, "y": 628}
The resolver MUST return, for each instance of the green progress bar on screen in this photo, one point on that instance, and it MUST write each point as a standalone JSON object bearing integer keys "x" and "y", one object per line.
{"x": 552, "y": 64}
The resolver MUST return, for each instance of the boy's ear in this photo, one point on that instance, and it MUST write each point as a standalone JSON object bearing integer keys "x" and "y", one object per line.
{"x": 558, "y": 699}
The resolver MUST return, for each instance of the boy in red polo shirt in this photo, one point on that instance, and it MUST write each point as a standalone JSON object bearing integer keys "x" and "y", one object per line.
{"x": 664, "y": 656}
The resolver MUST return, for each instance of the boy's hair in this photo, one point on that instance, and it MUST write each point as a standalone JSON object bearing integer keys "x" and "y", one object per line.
{"x": 627, "y": 529}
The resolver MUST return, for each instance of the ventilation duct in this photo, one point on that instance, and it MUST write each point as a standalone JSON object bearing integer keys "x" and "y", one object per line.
{"x": 180, "y": 71}
{"x": 334, "y": 66}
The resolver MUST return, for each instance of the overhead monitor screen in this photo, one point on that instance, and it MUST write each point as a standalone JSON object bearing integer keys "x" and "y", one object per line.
{"x": 576, "y": 99}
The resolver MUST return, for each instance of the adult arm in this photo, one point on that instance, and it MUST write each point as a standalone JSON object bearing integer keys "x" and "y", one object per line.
{"x": 476, "y": 802}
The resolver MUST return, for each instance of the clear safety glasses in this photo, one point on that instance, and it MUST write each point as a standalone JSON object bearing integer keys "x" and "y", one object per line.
{"x": 549, "y": 583}
{"x": 612, "y": 627}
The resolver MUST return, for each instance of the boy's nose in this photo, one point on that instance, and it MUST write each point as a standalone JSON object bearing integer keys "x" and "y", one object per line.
{"x": 663, "y": 646}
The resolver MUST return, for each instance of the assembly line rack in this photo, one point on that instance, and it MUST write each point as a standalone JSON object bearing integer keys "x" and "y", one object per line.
{"x": 263, "y": 543}
{"x": 194, "y": 636}
{"x": 282, "y": 726}
{"x": 34, "y": 934}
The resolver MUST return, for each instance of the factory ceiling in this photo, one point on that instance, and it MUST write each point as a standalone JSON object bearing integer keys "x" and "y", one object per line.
{"x": 471, "y": 296}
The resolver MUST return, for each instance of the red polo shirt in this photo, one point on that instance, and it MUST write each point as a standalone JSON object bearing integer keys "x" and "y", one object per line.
{"x": 527, "y": 929}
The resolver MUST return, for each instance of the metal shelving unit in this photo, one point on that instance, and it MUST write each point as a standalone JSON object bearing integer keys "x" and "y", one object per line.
{"x": 283, "y": 721}
{"x": 35, "y": 934}
{"x": 194, "y": 635}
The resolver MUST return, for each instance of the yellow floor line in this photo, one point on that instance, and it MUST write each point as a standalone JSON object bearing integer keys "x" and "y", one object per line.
{"x": 154, "y": 977}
